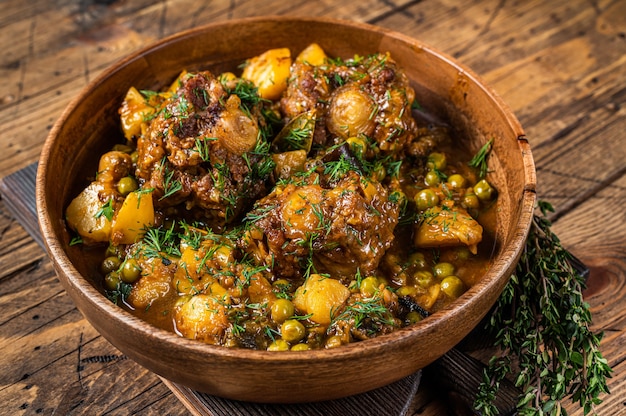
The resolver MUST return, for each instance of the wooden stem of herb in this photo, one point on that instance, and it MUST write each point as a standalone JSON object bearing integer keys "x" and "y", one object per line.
{"x": 542, "y": 327}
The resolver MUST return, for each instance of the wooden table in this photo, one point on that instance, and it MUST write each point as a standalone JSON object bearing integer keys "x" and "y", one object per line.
{"x": 560, "y": 65}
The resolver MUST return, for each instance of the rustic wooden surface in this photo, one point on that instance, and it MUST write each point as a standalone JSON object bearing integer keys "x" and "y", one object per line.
{"x": 560, "y": 65}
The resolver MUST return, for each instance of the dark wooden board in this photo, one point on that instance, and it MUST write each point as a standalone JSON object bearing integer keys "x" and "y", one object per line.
{"x": 18, "y": 192}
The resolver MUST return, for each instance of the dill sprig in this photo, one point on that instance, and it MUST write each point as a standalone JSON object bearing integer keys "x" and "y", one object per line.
{"x": 337, "y": 169}
{"x": 247, "y": 93}
{"x": 120, "y": 293}
{"x": 106, "y": 210}
{"x": 160, "y": 242}
{"x": 479, "y": 161}
{"x": 371, "y": 311}
{"x": 542, "y": 327}
{"x": 298, "y": 137}
{"x": 203, "y": 147}
{"x": 171, "y": 185}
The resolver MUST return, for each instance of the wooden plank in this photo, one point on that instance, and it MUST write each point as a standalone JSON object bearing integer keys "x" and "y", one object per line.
{"x": 25, "y": 254}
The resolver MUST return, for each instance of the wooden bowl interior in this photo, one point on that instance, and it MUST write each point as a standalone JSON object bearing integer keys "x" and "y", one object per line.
{"x": 90, "y": 126}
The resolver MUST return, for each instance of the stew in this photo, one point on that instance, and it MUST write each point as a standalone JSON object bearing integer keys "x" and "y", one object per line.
{"x": 299, "y": 205}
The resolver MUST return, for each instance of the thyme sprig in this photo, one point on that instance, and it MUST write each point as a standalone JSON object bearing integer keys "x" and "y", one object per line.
{"x": 542, "y": 327}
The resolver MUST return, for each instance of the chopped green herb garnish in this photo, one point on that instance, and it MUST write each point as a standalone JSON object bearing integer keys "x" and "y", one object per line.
{"x": 202, "y": 146}
{"x": 479, "y": 161}
{"x": 106, "y": 210}
{"x": 160, "y": 242}
{"x": 171, "y": 185}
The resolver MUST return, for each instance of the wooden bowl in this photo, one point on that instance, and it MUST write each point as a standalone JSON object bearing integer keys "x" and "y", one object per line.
{"x": 443, "y": 87}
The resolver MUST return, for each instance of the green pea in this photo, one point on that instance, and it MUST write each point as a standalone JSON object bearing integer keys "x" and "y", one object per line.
{"x": 369, "y": 286}
{"x": 483, "y": 190}
{"x": 110, "y": 264}
{"x": 281, "y": 310}
{"x": 282, "y": 285}
{"x": 452, "y": 286}
{"x": 127, "y": 185}
{"x": 123, "y": 148}
{"x": 413, "y": 317}
{"x": 333, "y": 342}
{"x": 131, "y": 271}
{"x": 405, "y": 291}
{"x": 113, "y": 251}
{"x": 426, "y": 198}
{"x": 463, "y": 253}
{"x": 358, "y": 146}
{"x": 436, "y": 160}
{"x": 443, "y": 269}
{"x": 418, "y": 260}
{"x": 112, "y": 280}
{"x": 300, "y": 347}
{"x": 457, "y": 181}
{"x": 379, "y": 173}
{"x": 424, "y": 278}
{"x": 279, "y": 345}
{"x": 432, "y": 179}
{"x": 134, "y": 157}
{"x": 292, "y": 330}
{"x": 470, "y": 200}
{"x": 398, "y": 197}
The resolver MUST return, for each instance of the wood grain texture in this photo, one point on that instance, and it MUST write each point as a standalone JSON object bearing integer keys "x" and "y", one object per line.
{"x": 560, "y": 65}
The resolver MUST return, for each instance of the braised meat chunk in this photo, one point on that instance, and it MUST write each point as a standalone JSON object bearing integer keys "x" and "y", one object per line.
{"x": 340, "y": 230}
{"x": 366, "y": 96}
{"x": 203, "y": 153}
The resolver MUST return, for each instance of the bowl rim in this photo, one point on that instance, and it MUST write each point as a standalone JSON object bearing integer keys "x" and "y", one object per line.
{"x": 63, "y": 264}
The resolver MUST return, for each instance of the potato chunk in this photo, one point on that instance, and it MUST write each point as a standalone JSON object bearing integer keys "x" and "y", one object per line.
{"x": 83, "y": 215}
{"x": 154, "y": 284}
{"x": 133, "y": 113}
{"x": 301, "y": 210}
{"x": 320, "y": 296}
{"x": 269, "y": 72}
{"x": 202, "y": 317}
{"x": 133, "y": 218}
{"x": 313, "y": 55}
{"x": 448, "y": 227}
{"x": 197, "y": 268}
